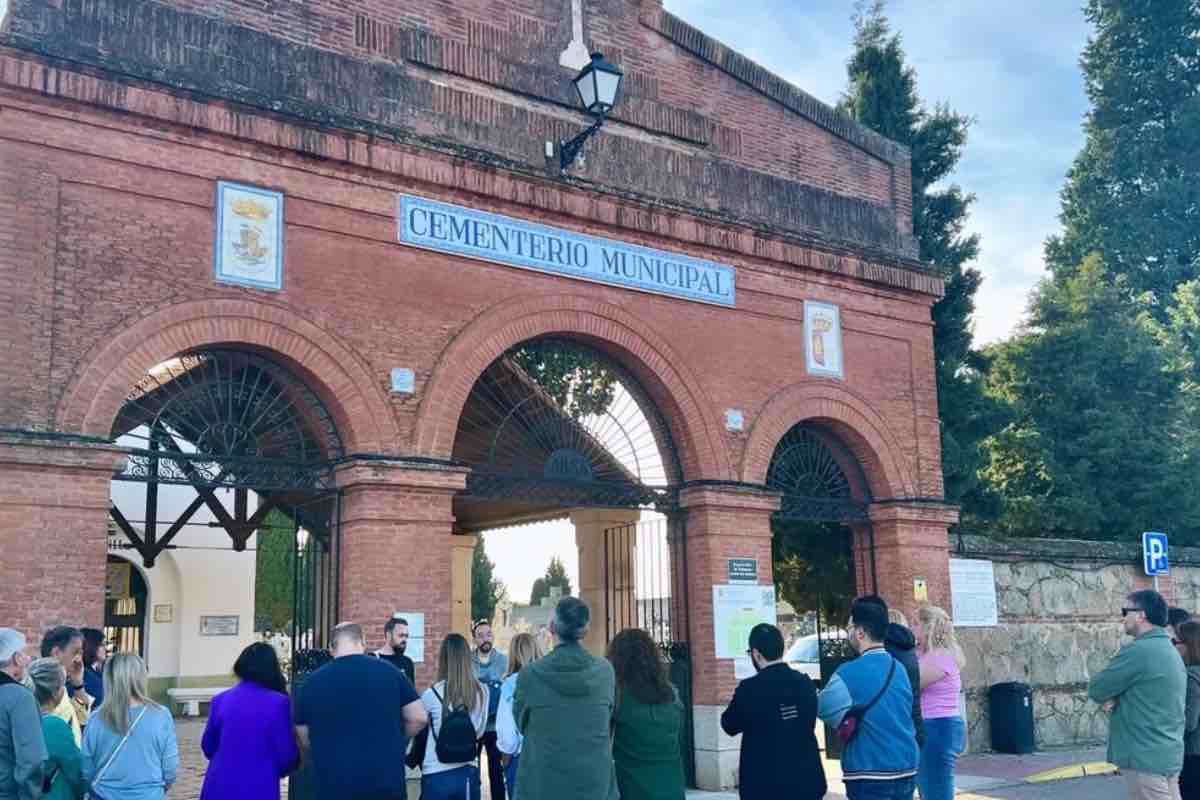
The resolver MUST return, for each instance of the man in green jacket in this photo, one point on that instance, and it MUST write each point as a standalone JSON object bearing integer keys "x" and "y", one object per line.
{"x": 563, "y": 707}
{"x": 1144, "y": 687}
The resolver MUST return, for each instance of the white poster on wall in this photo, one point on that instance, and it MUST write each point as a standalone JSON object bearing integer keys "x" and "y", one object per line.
{"x": 973, "y": 592}
{"x": 823, "y": 339}
{"x": 737, "y": 609}
{"x": 416, "y": 635}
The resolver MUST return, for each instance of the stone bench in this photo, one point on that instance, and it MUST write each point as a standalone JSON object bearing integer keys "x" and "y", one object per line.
{"x": 191, "y": 699}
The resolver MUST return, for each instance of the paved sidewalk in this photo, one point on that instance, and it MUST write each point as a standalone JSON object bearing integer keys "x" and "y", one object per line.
{"x": 981, "y": 772}
{"x": 976, "y": 773}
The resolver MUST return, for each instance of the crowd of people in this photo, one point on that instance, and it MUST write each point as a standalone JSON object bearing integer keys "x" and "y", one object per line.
{"x": 894, "y": 710}
{"x": 78, "y": 722}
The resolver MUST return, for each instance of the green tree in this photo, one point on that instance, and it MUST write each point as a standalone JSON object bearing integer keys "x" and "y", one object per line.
{"x": 1093, "y": 448}
{"x": 556, "y": 575}
{"x": 578, "y": 380}
{"x": 882, "y": 96}
{"x": 274, "y": 575}
{"x": 813, "y": 567}
{"x": 486, "y": 589}
{"x": 1133, "y": 193}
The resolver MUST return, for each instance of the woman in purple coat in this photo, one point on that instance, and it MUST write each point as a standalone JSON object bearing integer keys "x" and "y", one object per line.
{"x": 249, "y": 739}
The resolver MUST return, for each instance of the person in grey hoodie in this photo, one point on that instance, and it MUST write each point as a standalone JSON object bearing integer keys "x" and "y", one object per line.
{"x": 22, "y": 746}
{"x": 564, "y": 708}
{"x": 902, "y": 645}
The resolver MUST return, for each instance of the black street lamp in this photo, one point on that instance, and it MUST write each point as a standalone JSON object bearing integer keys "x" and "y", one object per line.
{"x": 598, "y": 85}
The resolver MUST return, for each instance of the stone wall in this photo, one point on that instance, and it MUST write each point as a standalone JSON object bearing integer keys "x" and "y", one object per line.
{"x": 1059, "y": 604}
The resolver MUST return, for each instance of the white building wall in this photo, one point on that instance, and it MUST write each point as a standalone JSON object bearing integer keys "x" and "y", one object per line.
{"x": 202, "y": 576}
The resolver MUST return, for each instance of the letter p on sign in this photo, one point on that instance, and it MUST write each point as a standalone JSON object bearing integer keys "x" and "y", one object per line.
{"x": 1154, "y": 554}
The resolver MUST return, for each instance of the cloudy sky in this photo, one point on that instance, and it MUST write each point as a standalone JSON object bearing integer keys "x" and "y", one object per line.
{"x": 1013, "y": 67}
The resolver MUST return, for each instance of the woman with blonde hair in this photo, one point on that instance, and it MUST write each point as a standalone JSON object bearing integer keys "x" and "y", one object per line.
{"x": 458, "y": 711}
{"x": 129, "y": 746}
{"x": 62, "y": 773}
{"x": 523, "y": 650}
{"x": 941, "y": 681}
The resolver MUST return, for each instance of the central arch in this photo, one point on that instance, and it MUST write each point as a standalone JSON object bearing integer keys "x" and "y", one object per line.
{"x": 628, "y": 340}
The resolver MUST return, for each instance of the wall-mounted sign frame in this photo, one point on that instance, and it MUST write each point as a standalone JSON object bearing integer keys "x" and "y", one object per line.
{"x": 219, "y": 625}
{"x": 448, "y": 228}
{"x": 823, "y": 354}
{"x": 249, "y": 246}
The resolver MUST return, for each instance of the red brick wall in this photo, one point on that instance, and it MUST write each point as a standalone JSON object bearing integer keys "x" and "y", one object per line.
{"x": 53, "y": 534}
{"x": 698, "y": 125}
{"x": 133, "y": 233}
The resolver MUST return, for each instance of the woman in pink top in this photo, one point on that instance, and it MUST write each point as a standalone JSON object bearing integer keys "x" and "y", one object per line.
{"x": 941, "y": 681}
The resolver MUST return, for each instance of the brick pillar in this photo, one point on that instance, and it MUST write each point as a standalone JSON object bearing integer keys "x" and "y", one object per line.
{"x": 54, "y": 500}
{"x": 396, "y": 548}
{"x": 912, "y": 542}
{"x": 598, "y": 571}
{"x": 463, "y": 556}
{"x": 721, "y": 523}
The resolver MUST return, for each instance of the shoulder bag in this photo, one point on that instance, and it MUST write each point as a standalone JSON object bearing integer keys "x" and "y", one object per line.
{"x": 113, "y": 756}
{"x": 847, "y": 729}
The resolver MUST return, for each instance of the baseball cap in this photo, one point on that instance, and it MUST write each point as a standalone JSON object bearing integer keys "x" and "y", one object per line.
{"x": 11, "y": 643}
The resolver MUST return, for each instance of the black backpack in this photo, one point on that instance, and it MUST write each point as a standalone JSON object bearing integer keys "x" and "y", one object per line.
{"x": 457, "y": 742}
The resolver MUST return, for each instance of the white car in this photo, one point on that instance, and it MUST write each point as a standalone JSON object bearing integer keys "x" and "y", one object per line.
{"x": 805, "y": 653}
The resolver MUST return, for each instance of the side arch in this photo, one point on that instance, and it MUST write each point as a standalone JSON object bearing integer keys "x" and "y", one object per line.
{"x": 328, "y": 367}
{"x": 850, "y": 417}
{"x": 661, "y": 372}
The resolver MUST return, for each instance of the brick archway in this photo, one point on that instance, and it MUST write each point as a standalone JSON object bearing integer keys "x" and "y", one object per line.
{"x": 689, "y": 414}
{"x": 850, "y": 417}
{"x": 329, "y": 368}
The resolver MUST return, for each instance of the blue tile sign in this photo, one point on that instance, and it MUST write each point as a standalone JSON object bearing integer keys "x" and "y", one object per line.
{"x": 504, "y": 240}
{"x": 1154, "y": 553}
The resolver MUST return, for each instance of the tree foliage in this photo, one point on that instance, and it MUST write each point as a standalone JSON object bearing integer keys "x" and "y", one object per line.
{"x": 1133, "y": 193}
{"x": 1101, "y": 384}
{"x": 578, "y": 380}
{"x": 486, "y": 589}
{"x": 882, "y": 96}
{"x": 556, "y": 575}
{"x": 1093, "y": 447}
{"x": 813, "y": 567}
{"x": 274, "y": 573}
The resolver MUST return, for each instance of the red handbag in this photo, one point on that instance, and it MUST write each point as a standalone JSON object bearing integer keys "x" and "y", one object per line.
{"x": 847, "y": 729}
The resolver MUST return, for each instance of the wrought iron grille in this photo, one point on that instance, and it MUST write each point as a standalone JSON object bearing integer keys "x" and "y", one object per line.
{"x": 812, "y": 480}
{"x": 555, "y": 422}
{"x": 226, "y": 418}
{"x": 646, "y": 586}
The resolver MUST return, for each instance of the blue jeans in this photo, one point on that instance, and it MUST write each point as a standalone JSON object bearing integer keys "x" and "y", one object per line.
{"x": 900, "y": 789}
{"x": 510, "y": 777}
{"x": 945, "y": 738}
{"x": 460, "y": 783}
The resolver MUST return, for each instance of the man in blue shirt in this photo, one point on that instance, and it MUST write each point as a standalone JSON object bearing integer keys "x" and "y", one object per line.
{"x": 490, "y": 668}
{"x": 356, "y": 715}
{"x": 880, "y": 762}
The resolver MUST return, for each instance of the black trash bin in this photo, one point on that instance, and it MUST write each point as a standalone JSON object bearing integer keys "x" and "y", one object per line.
{"x": 1011, "y": 709}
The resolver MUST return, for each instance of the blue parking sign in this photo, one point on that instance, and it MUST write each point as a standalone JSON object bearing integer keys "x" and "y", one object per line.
{"x": 1154, "y": 554}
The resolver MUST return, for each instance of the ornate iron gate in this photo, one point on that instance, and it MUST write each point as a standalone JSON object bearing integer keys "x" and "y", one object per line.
{"x": 822, "y": 509}
{"x": 645, "y": 586}
{"x": 257, "y": 447}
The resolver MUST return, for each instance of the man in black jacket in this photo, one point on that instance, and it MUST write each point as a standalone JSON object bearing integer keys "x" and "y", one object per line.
{"x": 776, "y": 713}
{"x": 902, "y": 645}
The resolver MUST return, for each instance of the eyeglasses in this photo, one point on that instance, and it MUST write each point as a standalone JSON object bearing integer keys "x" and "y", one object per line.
{"x": 1127, "y": 611}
